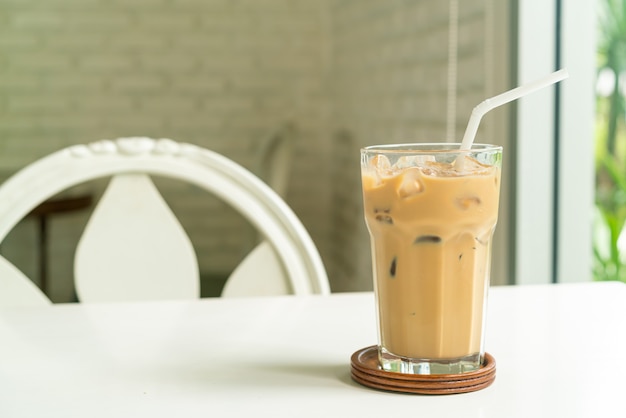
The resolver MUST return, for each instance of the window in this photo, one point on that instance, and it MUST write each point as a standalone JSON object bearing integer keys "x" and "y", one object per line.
{"x": 554, "y": 149}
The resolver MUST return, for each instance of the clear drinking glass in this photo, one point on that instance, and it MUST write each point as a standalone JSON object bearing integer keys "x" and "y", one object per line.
{"x": 431, "y": 210}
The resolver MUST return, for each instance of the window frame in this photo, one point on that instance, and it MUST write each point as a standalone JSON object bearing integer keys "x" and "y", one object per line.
{"x": 554, "y": 170}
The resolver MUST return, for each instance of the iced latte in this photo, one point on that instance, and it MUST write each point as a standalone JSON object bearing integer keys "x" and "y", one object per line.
{"x": 431, "y": 212}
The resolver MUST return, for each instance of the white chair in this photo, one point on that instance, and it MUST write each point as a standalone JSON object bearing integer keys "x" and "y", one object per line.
{"x": 272, "y": 164}
{"x": 16, "y": 289}
{"x": 134, "y": 248}
{"x": 275, "y": 155}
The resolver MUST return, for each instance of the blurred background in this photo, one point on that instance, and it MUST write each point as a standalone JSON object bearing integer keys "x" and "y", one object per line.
{"x": 315, "y": 81}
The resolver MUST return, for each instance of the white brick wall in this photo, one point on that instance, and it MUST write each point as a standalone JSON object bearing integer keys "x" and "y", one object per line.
{"x": 223, "y": 74}
{"x": 390, "y": 84}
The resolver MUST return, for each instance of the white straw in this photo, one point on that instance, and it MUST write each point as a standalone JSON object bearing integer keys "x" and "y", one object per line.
{"x": 499, "y": 100}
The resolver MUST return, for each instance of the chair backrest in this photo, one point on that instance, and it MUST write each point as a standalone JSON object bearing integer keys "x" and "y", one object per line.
{"x": 275, "y": 155}
{"x": 133, "y": 246}
{"x": 16, "y": 289}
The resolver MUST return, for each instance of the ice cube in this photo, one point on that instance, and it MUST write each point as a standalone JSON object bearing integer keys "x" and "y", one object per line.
{"x": 409, "y": 161}
{"x": 468, "y": 202}
{"x": 427, "y": 239}
{"x": 380, "y": 163}
{"x": 383, "y": 216}
{"x": 439, "y": 169}
{"x": 393, "y": 268}
{"x": 376, "y": 169}
{"x": 471, "y": 166}
{"x": 411, "y": 183}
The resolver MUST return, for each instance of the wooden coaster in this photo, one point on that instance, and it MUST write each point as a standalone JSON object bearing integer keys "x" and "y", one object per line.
{"x": 365, "y": 370}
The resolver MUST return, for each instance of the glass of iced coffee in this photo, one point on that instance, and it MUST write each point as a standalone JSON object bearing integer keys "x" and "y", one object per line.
{"x": 431, "y": 210}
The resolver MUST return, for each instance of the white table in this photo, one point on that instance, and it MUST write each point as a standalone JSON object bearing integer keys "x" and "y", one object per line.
{"x": 559, "y": 351}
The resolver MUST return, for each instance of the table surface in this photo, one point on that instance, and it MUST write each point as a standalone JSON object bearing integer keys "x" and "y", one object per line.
{"x": 559, "y": 351}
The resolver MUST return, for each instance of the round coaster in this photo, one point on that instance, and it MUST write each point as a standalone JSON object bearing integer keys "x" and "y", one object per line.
{"x": 424, "y": 384}
{"x": 366, "y": 371}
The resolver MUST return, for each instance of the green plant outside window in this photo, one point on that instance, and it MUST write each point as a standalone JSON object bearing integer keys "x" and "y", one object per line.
{"x": 609, "y": 242}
